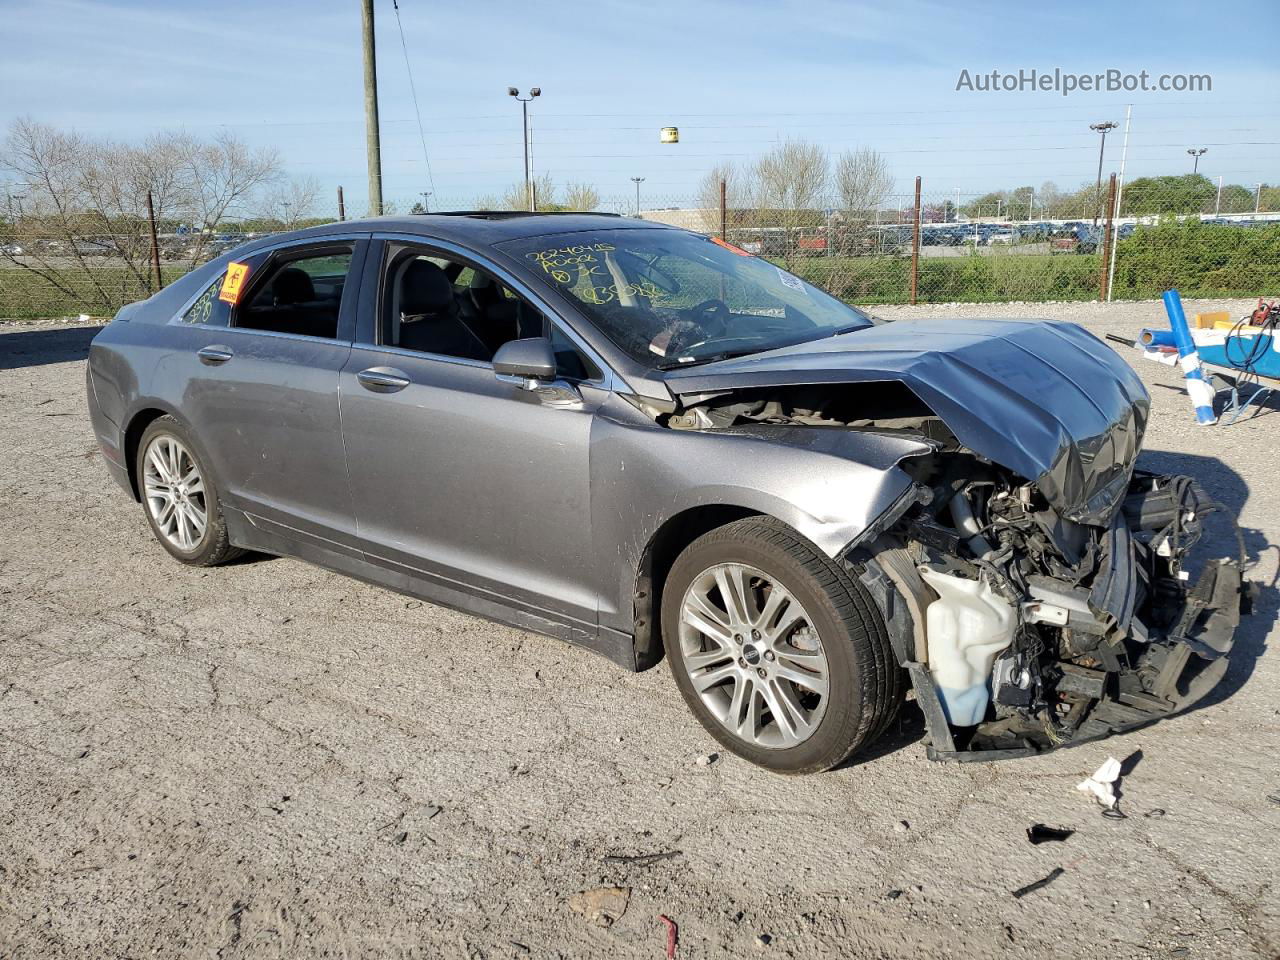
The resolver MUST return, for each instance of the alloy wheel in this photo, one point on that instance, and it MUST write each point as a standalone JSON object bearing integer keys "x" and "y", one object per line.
{"x": 174, "y": 492}
{"x": 753, "y": 656}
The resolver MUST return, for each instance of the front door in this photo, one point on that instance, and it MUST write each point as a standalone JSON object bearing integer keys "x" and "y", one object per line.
{"x": 476, "y": 485}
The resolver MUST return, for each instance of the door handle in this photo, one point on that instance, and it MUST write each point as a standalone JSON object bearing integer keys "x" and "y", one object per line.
{"x": 214, "y": 355}
{"x": 383, "y": 379}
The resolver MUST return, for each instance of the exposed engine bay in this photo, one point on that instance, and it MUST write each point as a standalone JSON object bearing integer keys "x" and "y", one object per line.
{"x": 1023, "y": 629}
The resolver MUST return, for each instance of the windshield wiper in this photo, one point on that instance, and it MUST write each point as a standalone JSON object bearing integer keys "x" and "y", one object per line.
{"x": 710, "y": 358}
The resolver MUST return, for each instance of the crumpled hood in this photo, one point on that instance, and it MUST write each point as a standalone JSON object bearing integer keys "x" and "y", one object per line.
{"x": 1047, "y": 400}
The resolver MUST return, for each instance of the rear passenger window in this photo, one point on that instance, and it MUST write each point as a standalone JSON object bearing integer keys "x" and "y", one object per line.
{"x": 301, "y": 294}
{"x": 208, "y": 308}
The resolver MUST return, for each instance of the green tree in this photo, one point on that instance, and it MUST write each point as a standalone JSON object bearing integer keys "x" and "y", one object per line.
{"x": 1189, "y": 193}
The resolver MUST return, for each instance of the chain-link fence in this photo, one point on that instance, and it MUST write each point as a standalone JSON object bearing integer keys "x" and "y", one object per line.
{"x": 931, "y": 248}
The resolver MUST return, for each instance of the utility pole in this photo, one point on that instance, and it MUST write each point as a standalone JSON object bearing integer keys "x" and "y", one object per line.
{"x": 1217, "y": 204}
{"x": 373, "y": 142}
{"x": 1101, "y": 128}
{"x": 528, "y": 170}
{"x": 342, "y": 205}
{"x": 637, "y": 181}
{"x": 1257, "y": 200}
{"x": 1196, "y": 155}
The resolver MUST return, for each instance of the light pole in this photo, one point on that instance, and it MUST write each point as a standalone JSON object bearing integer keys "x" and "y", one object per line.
{"x": 524, "y": 111}
{"x": 426, "y": 201}
{"x": 1217, "y": 204}
{"x": 1101, "y": 128}
{"x": 1257, "y": 199}
{"x": 956, "y": 217}
{"x": 637, "y": 181}
{"x": 1196, "y": 155}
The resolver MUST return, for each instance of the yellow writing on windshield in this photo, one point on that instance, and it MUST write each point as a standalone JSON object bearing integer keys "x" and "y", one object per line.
{"x": 566, "y": 264}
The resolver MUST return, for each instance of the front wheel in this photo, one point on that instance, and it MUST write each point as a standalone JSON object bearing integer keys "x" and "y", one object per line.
{"x": 779, "y": 652}
{"x": 179, "y": 496}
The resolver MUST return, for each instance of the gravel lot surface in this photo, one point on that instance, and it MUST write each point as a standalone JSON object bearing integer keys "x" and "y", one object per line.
{"x": 269, "y": 760}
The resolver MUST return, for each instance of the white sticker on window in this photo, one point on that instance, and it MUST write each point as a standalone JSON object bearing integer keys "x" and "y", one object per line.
{"x": 795, "y": 283}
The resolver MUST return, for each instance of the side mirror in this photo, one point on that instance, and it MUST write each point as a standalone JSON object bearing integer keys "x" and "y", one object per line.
{"x": 532, "y": 359}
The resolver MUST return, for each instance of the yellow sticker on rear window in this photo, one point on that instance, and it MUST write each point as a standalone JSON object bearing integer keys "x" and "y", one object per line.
{"x": 233, "y": 282}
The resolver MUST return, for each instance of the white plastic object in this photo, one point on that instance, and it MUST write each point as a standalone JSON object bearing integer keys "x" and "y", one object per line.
{"x": 966, "y": 628}
{"x": 1101, "y": 784}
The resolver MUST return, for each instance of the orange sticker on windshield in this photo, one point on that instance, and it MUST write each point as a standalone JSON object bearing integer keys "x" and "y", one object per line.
{"x": 730, "y": 247}
{"x": 233, "y": 282}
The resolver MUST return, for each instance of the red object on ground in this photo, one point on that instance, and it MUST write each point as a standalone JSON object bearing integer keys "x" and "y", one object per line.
{"x": 671, "y": 935}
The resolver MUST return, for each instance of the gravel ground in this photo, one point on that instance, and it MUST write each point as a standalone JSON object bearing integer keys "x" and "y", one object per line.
{"x": 269, "y": 760}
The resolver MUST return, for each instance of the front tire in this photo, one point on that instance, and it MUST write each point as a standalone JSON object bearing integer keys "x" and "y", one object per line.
{"x": 778, "y": 651}
{"x": 179, "y": 496}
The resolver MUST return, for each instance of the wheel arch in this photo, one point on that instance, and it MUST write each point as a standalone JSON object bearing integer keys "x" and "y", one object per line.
{"x": 667, "y": 543}
{"x": 137, "y": 426}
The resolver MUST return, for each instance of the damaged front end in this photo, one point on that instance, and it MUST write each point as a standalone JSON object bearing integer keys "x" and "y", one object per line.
{"x": 1039, "y": 590}
{"x": 1023, "y": 631}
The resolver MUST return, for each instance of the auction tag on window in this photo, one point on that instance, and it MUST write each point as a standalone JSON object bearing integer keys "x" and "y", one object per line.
{"x": 795, "y": 283}
{"x": 233, "y": 282}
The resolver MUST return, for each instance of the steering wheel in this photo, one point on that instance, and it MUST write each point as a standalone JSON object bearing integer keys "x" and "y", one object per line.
{"x": 713, "y": 315}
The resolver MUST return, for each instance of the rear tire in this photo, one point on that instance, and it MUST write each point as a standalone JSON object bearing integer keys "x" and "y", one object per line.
{"x": 180, "y": 497}
{"x": 800, "y": 637}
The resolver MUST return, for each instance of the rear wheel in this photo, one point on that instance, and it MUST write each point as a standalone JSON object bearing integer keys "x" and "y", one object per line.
{"x": 778, "y": 651}
{"x": 179, "y": 496}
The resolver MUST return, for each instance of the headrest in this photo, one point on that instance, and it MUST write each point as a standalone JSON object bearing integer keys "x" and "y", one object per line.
{"x": 424, "y": 288}
{"x": 292, "y": 285}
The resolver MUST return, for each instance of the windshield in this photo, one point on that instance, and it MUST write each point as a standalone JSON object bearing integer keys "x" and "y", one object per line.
{"x": 671, "y": 298}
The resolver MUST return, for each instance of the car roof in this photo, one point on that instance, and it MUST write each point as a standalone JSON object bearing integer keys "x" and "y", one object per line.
{"x": 480, "y": 227}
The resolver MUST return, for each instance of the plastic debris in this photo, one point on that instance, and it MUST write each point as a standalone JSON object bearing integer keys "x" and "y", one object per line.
{"x": 1102, "y": 783}
{"x": 1054, "y": 874}
{"x": 1155, "y": 814}
{"x": 707, "y": 759}
{"x": 673, "y": 935}
{"x": 1038, "y": 833}
{"x": 602, "y": 905}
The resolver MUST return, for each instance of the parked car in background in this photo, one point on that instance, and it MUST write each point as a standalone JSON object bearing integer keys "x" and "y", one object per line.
{"x": 650, "y": 443}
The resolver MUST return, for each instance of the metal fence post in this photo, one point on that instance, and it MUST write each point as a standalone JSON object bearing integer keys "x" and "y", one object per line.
{"x": 342, "y": 206}
{"x": 724, "y": 212}
{"x": 1108, "y": 238}
{"x": 915, "y": 246}
{"x": 155, "y": 241}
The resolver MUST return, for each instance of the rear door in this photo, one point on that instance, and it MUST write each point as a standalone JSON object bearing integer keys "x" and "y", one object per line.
{"x": 470, "y": 482}
{"x": 262, "y": 386}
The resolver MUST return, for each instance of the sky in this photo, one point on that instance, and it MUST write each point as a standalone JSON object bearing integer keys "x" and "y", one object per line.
{"x": 736, "y": 77}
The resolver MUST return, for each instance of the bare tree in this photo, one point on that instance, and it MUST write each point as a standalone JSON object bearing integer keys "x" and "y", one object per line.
{"x": 792, "y": 176}
{"x": 862, "y": 180}
{"x": 738, "y": 193}
{"x": 544, "y": 192}
{"x": 83, "y": 226}
{"x": 580, "y": 196}
{"x": 291, "y": 202}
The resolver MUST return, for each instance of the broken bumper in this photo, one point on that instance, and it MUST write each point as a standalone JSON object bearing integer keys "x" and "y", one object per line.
{"x": 1135, "y": 646}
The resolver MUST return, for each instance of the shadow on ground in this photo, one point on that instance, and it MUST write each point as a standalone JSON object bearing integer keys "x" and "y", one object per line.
{"x": 34, "y": 348}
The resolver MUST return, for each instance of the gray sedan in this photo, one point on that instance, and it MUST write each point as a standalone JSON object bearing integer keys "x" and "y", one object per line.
{"x": 648, "y": 442}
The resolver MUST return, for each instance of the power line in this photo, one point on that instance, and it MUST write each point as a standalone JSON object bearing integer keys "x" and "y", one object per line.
{"x": 422, "y": 135}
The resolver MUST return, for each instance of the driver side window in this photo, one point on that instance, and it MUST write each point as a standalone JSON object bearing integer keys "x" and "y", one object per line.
{"x": 435, "y": 303}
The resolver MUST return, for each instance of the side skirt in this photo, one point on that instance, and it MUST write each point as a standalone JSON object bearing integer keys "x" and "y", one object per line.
{"x": 271, "y": 538}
